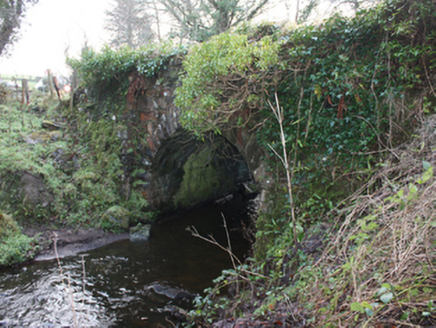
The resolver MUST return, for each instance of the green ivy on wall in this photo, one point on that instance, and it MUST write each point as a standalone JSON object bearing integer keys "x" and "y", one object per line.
{"x": 346, "y": 85}
{"x": 106, "y": 74}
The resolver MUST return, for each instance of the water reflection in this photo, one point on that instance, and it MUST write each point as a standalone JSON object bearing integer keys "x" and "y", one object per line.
{"x": 110, "y": 286}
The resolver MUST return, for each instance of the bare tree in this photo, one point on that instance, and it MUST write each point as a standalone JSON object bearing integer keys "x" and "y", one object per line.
{"x": 154, "y": 6}
{"x": 200, "y": 19}
{"x": 304, "y": 13}
{"x": 129, "y": 23}
{"x": 11, "y": 12}
{"x": 355, "y": 4}
{"x": 310, "y": 7}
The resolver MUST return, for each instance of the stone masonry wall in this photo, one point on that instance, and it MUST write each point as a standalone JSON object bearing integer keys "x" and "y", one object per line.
{"x": 155, "y": 121}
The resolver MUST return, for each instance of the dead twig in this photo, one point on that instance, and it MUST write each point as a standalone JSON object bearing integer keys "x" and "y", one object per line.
{"x": 69, "y": 291}
{"x": 278, "y": 113}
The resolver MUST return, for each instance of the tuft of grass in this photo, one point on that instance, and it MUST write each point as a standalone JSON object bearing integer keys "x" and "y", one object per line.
{"x": 379, "y": 266}
{"x": 17, "y": 249}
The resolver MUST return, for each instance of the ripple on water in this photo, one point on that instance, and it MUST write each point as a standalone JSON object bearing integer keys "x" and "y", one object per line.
{"x": 51, "y": 300}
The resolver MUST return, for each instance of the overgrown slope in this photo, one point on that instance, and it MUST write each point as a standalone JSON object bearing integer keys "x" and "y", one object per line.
{"x": 349, "y": 91}
{"x": 370, "y": 262}
{"x": 60, "y": 169}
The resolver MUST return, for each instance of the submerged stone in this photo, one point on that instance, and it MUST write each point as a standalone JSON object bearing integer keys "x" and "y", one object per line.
{"x": 140, "y": 233}
{"x": 164, "y": 294}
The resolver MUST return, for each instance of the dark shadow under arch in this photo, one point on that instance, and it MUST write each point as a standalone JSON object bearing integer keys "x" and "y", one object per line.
{"x": 187, "y": 171}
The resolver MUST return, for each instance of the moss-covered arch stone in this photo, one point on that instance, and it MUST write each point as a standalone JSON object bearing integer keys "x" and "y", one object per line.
{"x": 187, "y": 171}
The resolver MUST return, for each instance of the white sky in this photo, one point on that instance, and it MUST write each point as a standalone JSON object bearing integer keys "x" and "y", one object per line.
{"x": 53, "y": 26}
{"x": 49, "y": 28}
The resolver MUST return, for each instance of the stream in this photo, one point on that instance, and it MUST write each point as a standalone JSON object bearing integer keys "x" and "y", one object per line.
{"x": 121, "y": 284}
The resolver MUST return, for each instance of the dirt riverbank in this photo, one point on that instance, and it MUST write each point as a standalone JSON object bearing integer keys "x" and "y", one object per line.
{"x": 70, "y": 242}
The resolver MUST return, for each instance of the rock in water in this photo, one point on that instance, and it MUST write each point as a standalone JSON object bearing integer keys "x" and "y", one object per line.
{"x": 164, "y": 294}
{"x": 140, "y": 233}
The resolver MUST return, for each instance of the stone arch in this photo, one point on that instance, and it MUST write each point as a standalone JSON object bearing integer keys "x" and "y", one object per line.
{"x": 234, "y": 157}
{"x": 186, "y": 171}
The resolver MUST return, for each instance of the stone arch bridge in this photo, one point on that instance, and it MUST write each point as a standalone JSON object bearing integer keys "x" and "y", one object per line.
{"x": 180, "y": 170}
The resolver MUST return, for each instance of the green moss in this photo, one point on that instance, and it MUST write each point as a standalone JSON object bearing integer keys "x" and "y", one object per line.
{"x": 84, "y": 175}
{"x": 78, "y": 171}
{"x": 116, "y": 218}
{"x": 204, "y": 178}
{"x": 200, "y": 179}
{"x": 15, "y": 247}
{"x": 44, "y": 136}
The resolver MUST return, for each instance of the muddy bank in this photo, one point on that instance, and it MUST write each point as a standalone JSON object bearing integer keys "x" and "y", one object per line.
{"x": 70, "y": 242}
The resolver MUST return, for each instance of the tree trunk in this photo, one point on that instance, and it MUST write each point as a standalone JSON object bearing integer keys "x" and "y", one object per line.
{"x": 157, "y": 20}
{"x": 297, "y": 11}
{"x": 10, "y": 23}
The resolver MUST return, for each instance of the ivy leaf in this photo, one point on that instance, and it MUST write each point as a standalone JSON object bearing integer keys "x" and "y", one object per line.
{"x": 318, "y": 91}
{"x": 426, "y": 165}
{"x": 356, "y": 306}
{"x": 405, "y": 315}
{"x": 382, "y": 290}
{"x": 414, "y": 292}
{"x": 388, "y": 286}
{"x": 369, "y": 312}
{"x": 426, "y": 176}
{"x": 386, "y": 297}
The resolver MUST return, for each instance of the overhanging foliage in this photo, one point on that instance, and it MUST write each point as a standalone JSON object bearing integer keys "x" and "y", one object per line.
{"x": 345, "y": 85}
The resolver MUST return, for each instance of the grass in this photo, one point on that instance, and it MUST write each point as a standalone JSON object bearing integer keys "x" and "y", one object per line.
{"x": 380, "y": 255}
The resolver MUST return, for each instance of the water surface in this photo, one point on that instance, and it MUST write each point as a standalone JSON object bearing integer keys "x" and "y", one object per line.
{"x": 109, "y": 287}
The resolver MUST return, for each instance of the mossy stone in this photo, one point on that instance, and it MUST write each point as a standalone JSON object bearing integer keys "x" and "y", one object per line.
{"x": 140, "y": 233}
{"x": 116, "y": 217}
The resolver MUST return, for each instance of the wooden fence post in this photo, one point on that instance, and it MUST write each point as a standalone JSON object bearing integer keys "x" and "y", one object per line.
{"x": 56, "y": 86}
{"x": 25, "y": 98}
{"x": 50, "y": 82}
{"x": 73, "y": 89}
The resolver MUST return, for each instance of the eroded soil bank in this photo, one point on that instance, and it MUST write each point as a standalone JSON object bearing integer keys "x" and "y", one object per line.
{"x": 68, "y": 242}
